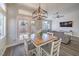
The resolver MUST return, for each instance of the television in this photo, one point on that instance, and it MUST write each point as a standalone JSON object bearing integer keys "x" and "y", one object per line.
{"x": 66, "y": 24}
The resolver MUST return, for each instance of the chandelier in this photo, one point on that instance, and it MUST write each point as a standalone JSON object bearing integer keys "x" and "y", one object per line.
{"x": 39, "y": 14}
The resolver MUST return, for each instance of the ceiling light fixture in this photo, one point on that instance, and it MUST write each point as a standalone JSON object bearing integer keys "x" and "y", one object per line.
{"x": 39, "y": 14}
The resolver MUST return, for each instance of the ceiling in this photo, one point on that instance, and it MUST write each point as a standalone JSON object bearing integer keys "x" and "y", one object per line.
{"x": 64, "y": 8}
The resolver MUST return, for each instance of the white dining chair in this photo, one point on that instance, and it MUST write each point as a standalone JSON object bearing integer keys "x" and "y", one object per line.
{"x": 30, "y": 49}
{"x": 51, "y": 49}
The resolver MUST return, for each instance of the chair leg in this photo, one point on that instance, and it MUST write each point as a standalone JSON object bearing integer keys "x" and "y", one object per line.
{"x": 38, "y": 51}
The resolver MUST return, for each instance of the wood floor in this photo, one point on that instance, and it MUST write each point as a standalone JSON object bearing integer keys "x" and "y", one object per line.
{"x": 15, "y": 51}
{"x": 71, "y": 49}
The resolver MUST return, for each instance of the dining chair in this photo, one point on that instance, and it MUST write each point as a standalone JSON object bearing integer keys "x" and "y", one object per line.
{"x": 51, "y": 49}
{"x": 30, "y": 49}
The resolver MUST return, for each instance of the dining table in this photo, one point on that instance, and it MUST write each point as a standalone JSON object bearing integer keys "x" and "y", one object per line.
{"x": 40, "y": 41}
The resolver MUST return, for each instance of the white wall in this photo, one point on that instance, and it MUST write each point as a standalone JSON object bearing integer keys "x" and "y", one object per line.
{"x": 68, "y": 17}
{"x": 11, "y": 23}
{"x": 12, "y": 14}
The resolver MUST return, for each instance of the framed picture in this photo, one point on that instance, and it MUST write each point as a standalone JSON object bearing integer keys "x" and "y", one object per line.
{"x": 66, "y": 24}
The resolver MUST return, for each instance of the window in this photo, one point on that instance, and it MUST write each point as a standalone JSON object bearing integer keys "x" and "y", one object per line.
{"x": 33, "y": 26}
{"x": 2, "y": 25}
{"x": 46, "y": 25}
{"x": 2, "y": 22}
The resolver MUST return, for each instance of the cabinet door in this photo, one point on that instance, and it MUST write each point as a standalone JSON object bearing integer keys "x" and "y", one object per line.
{"x": 23, "y": 27}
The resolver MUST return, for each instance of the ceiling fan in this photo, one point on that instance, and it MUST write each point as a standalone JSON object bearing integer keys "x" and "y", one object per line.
{"x": 58, "y": 15}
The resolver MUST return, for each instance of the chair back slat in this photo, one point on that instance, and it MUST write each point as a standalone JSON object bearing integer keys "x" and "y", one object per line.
{"x": 55, "y": 47}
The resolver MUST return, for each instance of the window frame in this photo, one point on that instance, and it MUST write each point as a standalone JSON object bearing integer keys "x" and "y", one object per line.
{"x": 48, "y": 21}
{"x": 4, "y": 22}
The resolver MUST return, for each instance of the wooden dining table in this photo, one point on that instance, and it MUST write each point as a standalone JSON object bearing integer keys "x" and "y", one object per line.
{"x": 38, "y": 42}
